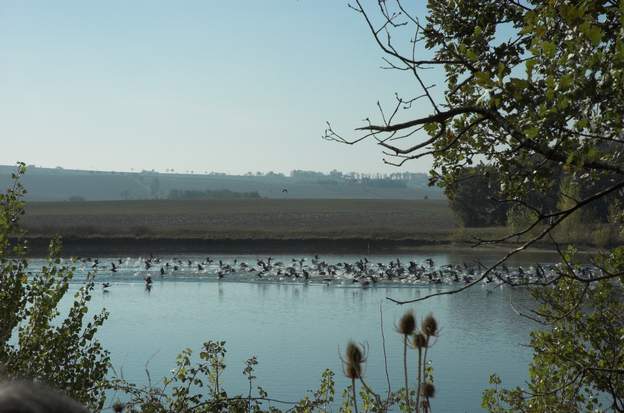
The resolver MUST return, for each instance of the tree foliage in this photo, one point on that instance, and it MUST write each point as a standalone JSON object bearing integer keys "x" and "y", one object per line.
{"x": 530, "y": 90}
{"x": 470, "y": 197}
{"x": 579, "y": 358}
{"x": 535, "y": 91}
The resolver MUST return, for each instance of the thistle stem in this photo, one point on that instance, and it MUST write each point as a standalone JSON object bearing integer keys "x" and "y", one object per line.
{"x": 419, "y": 379}
{"x": 407, "y": 395}
{"x": 425, "y": 358}
{"x": 368, "y": 389}
{"x": 354, "y": 396}
{"x": 424, "y": 366}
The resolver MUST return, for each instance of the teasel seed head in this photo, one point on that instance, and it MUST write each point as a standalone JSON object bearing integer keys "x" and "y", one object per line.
{"x": 428, "y": 390}
{"x": 407, "y": 323}
{"x": 430, "y": 326}
{"x": 353, "y": 371}
{"x": 352, "y": 363}
{"x": 420, "y": 341}
{"x": 354, "y": 354}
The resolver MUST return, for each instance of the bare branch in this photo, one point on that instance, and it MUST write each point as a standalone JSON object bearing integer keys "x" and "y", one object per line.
{"x": 438, "y": 117}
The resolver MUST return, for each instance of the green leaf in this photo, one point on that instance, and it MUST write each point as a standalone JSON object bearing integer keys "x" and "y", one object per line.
{"x": 582, "y": 124}
{"x": 431, "y": 128}
{"x": 548, "y": 48}
{"x": 529, "y": 67}
{"x": 563, "y": 103}
{"x": 531, "y": 132}
{"x": 471, "y": 55}
{"x": 500, "y": 71}
{"x": 595, "y": 35}
{"x": 566, "y": 81}
{"x": 568, "y": 12}
{"x": 483, "y": 79}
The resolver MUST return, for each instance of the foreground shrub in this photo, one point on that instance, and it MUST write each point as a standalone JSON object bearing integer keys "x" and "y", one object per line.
{"x": 197, "y": 387}
{"x": 36, "y": 341}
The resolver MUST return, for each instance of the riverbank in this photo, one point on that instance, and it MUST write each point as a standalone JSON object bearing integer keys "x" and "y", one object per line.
{"x": 38, "y": 246}
{"x": 256, "y": 226}
{"x": 124, "y": 245}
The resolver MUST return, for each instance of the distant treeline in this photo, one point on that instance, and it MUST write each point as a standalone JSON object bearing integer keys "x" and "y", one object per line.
{"x": 475, "y": 200}
{"x": 373, "y": 183}
{"x": 373, "y": 179}
{"x": 57, "y": 184}
{"x": 178, "y": 194}
{"x": 296, "y": 174}
{"x": 384, "y": 183}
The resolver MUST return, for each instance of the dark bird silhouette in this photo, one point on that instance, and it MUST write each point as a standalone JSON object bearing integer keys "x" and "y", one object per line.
{"x": 284, "y": 191}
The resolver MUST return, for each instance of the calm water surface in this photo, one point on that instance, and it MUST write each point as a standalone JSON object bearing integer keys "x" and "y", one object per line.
{"x": 296, "y": 329}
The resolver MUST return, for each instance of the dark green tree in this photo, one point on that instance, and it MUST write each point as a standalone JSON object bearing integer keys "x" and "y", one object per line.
{"x": 471, "y": 198}
{"x": 533, "y": 89}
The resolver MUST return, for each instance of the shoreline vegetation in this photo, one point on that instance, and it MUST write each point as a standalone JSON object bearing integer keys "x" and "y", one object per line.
{"x": 270, "y": 226}
{"x": 143, "y": 245}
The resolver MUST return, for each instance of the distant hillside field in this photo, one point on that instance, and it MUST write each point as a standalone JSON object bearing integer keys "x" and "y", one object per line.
{"x": 243, "y": 219}
{"x": 50, "y": 184}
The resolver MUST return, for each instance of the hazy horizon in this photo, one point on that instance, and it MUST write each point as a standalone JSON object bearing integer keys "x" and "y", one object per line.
{"x": 204, "y": 86}
{"x": 208, "y": 172}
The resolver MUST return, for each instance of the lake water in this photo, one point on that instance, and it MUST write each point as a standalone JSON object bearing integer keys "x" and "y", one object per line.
{"x": 296, "y": 329}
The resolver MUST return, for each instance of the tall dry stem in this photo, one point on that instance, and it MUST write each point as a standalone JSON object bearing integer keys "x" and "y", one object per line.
{"x": 407, "y": 396}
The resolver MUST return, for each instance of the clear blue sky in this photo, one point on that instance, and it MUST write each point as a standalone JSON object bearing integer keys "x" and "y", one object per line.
{"x": 191, "y": 85}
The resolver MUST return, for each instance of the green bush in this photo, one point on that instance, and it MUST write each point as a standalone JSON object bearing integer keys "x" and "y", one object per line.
{"x": 36, "y": 341}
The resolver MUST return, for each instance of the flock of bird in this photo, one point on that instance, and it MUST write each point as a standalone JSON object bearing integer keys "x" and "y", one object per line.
{"x": 362, "y": 272}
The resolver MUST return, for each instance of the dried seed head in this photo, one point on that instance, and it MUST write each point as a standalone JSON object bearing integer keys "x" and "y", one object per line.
{"x": 352, "y": 363}
{"x": 430, "y": 326}
{"x": 353, "y": 371}
{"x": 118, "y": 407}
{"x": 420, "y": 341}
{"x": 407, "y": 323}
{"x": 427, "y": 390}
{"x": 354, "y": 354}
